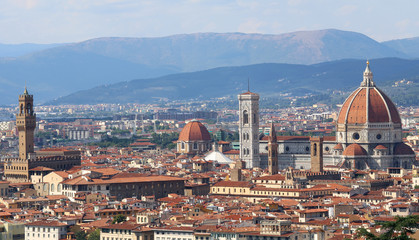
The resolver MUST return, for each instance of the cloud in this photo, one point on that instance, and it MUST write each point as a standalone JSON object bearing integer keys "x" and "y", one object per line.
{"x": 403, "y": 24}
{"x": 346, "y": 10}
{"x": 250, "y": 26}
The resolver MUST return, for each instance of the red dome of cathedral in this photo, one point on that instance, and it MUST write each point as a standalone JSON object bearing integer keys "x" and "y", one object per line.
{"x": 368, "y": 104}
{"x": 403, "y": 149}
{"x": 354, "y": 150}
{"x": 194, "y": 131}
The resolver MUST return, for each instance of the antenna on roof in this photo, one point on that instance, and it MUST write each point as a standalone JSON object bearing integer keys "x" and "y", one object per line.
{"x": 248, "y": 84}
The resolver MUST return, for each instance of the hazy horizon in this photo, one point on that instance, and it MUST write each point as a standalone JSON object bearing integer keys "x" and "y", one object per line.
{"x": 45, "y": 21}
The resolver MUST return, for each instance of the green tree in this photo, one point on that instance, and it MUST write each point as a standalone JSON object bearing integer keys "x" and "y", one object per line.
{"x": 119, "y": 218}
{"x": 80, "y": 235}
{"x": 400, "y": 229}
{"x": 95, "y": 235}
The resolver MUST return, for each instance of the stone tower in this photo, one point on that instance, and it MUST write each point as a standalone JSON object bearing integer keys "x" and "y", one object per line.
{"x": 272, "y": 151}
{"x": 236, "y": 172}
{"x": 316, "y": 145}
{"x": 26, "y": 123}
{"x": 249, "y": 128}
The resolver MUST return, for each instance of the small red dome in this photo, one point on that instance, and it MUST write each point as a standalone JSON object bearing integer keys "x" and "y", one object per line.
{"x": 403, "y": 149}
{"x": 338, "y": 146}
{"x": 194, "y": 131}
{"x": 380, "y": 147}
{"x": 354, "y": 150}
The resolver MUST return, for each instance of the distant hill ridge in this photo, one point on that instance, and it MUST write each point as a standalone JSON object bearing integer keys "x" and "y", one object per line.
{"x": 269, "y": 79}
{"x": 58, "y": 71}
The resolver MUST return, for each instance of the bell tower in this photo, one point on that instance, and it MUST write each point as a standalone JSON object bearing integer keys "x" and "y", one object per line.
{"x": 249, "y": 129}
{"x": 316, "y": 145}
{"x": 26, "y": 123}
{"x": 272, "y": 151}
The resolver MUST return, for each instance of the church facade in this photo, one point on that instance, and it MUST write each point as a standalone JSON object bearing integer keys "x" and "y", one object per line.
{"x": 368, "y": 136}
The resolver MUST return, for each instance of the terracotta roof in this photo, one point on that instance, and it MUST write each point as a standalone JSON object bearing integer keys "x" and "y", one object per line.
{"x": 271, "y": 177}
{"x": 371, "y": 103}
{"x": 249, "y": 93}
{"x": 194, "y": 131}
{"x": 380, "y": 147}
{"x": 403, "y": 149}
{"x": 232, "y": 184}
{"x": 338, "y": 146}
{"x": 47, "y": 223}
{"x": 354, "y": 150}
{"x": 39, "y": 168}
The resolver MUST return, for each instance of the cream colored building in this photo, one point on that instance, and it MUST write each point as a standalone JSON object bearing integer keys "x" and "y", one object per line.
{"x": 45, "y": 230}
{"x": 12, "y": 230}
{"x": 255, "y": 193}
{"x": 54, "y": 180}
{"x": 125, "y": 231}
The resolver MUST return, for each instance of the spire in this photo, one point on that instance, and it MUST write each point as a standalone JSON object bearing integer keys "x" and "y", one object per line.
{"x": 26, "y": 90}
{"x": 367, "y": 81}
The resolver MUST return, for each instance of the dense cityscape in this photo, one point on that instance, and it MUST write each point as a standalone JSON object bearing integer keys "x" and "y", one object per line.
{"x": 185, "y": 171}
{"x": 209, "y": 120}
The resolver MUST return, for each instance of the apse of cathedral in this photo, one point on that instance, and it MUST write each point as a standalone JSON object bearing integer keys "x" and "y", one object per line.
{"x": 30, "y": 163}
{"x": 368, "y": 136}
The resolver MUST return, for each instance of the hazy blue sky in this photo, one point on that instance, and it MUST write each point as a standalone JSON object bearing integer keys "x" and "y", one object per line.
{"x": 48, "y": 21}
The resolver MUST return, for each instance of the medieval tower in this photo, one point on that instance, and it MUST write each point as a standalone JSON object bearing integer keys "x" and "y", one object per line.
{"x": 19, "y": 169}
{"x": 26, "y": 123}
{"x": 249, "y": 129}
{"x": 316, "y": 145}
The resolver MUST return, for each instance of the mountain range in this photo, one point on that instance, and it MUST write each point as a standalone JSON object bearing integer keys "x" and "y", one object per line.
{"x": 56, "y": 71}
{"x": 268, "y": 79}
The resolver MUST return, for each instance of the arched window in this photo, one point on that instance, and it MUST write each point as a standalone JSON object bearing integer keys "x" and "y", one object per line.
{"x": 195, "y": 145}
{"x": 21, "y": 108}
{"x": 29, "y": 109}
{"x": 59, "y": 188}
{"x": 245, "y": 117}
{"x": 183, "y": 145}
{"x": 52, "y": 187}
{"x": 45, "y": 188}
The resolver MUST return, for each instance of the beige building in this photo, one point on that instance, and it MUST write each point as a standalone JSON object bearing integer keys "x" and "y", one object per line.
{"x": 126, "y": 231}
{"x": 10, "y": 230}
{"x": 45, "y": 230}
{"x": 255, "y": 193}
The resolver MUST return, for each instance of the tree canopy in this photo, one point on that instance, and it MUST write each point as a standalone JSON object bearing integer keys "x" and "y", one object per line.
{"x": 400, "y": 229}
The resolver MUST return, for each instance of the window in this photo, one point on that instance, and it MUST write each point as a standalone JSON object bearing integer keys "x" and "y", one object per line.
{"x": 52, "y": 187}
{"x": 245, "y": 117}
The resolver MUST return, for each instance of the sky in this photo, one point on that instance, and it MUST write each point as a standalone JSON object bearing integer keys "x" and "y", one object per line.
{"x": 63, "y": 21}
